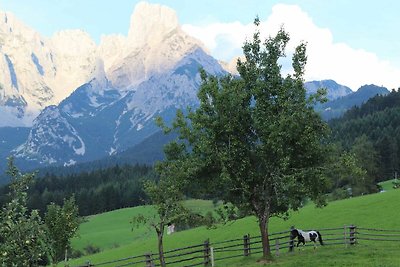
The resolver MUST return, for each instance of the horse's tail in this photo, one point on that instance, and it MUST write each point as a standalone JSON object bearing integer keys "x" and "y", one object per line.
{"x": 320, "y": 238}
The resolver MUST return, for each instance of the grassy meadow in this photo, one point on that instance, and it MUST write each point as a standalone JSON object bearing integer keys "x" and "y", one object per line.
{"x": 387, "y": 185}
{"x": 113, "y": 234}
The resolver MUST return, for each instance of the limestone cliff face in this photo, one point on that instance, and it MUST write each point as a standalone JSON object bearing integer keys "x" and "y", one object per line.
{"x": 129, "y": 81}
{"x": 38, "y": 71}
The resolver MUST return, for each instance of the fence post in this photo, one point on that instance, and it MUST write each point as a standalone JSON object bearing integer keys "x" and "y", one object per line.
{"x": 352, "y": 234}
{"x": 246, "y": 245}
{"x": 212, "y": 256}
{"x": 291, "y": 241}
{"x": 277, "y": 247}
{"x": 207, "y": 252}
{"x": 345, "y": 235}
{"x": 149, "y": 260}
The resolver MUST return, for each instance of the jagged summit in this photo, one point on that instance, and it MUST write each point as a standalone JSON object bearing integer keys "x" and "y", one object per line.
{"x": 36, "y": 71}
{"x": 99, "y": 100}
{"x": 98, "y": 74}
{"x": 73, "y": 42}
{"x": 111, "y": 48}
{"x": 155, "y": 44}
{"x": 59, "y": 64}
{"x": 151, "y": 23}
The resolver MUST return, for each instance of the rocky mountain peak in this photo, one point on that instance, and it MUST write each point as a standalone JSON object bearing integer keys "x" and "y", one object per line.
{"x": 9, "y": 24}
{"x": 98, "y": 75}
{"x": 150, "y": 23}
{"x": 73, "y": 42}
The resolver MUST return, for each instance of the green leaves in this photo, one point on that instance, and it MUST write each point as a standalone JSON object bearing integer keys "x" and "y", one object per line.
{"x": 166, "y": 196}
{"x": 62, "y": 224}
{"x": 257, "y": 137}
{"x": 23, "y": 240}
{"x": 254, "y": 139}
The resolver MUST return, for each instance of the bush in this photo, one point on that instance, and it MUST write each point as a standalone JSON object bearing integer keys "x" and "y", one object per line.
{"x": 209, "y": 220}
{"x": 91, "y": 249}
{"x": 73, "y": 254}
{"x": 396, "y": 184}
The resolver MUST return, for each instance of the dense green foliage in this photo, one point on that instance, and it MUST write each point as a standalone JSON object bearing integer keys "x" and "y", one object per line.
{"x": 62, "y": 224}
{"x": 255, "y": 139}
{"x": 349, "y": 173}
{"x": 95, "y": 192}
{"x": 27, "y": 240}
{"x": 23, "y": 239}
{"x": 373, "y": 132}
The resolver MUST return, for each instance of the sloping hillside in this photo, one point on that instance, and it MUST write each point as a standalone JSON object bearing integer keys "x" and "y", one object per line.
{"x": 367, "y": 211}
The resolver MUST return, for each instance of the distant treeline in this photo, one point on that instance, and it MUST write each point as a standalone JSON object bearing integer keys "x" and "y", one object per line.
{"x": 95, "y": 192}
{"x": 376, "y": 122}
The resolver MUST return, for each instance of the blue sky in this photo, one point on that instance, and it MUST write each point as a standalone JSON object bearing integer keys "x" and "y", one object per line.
{"x": 366, "y": 26}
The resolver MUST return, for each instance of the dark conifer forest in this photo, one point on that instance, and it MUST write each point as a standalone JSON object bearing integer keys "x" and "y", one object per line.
{"x": 95, "y": 192}
{"x": 377, "y": 122}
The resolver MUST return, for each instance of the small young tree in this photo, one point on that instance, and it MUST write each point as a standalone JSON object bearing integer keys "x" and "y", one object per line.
{"x": 23, "y": 240}
{"x": 62, "y": 224}
{"x": 166, "y": 196}
{"x": 256, "y": 138}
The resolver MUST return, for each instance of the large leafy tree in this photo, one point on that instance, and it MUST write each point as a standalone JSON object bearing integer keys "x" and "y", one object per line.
{"x": 23, "y": 239}
{"x": 256, "y": 139}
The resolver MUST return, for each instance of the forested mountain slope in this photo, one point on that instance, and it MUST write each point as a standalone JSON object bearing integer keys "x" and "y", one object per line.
{"x": 378, "y": 121}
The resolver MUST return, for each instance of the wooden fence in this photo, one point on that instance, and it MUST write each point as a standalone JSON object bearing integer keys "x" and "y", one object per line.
{"x": 212, "y": 253}
{"x": 371, "y": 234}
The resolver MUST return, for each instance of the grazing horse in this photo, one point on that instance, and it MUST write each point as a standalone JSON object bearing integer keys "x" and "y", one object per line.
{"x": 303, "y": 237}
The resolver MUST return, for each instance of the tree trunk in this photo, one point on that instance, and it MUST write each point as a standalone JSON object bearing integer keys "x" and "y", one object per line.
{"x": 160, "y": 235}
{"x": 263, "y": 224}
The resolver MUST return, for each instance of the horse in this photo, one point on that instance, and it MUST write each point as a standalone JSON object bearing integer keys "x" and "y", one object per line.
{"x": 303, "y": 237}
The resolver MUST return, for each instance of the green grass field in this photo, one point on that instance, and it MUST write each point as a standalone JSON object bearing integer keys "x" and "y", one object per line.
{"x": 113, "y": 229}
{"x": 112, "y": 233}
{"x": 387, "y": 185}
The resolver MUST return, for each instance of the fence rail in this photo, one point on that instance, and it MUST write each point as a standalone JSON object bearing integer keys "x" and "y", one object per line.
{"x": 207, "y": 253}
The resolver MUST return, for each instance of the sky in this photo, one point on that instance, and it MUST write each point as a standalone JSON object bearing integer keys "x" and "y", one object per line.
{"x": 353, "y": 42}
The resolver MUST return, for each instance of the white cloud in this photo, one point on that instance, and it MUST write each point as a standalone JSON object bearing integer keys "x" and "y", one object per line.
{"x": 326, "y": 59}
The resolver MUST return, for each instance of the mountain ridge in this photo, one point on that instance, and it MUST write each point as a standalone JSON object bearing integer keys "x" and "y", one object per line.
{"x": 67, "y": 60}
{"x": 334, "y": 90}
{"x": 340, "y": 105}
{"x": 85, "y": 129}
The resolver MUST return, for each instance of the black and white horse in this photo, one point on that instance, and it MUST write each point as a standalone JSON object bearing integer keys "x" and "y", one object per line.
{"x": 303, "y": 237}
